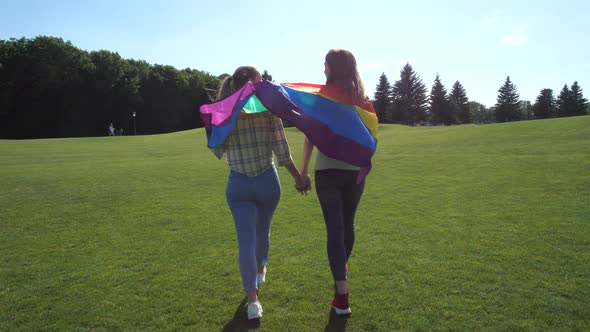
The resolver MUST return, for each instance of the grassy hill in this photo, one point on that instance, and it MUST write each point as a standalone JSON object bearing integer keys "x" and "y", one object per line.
{"x": 464, "y": 228}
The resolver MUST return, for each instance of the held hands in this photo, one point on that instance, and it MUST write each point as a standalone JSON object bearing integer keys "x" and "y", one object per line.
{"x": 303, "y": 183}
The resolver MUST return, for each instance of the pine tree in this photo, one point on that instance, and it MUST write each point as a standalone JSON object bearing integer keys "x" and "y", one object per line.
{"x": 508, "y": 103}
{"x": 579, "y": 103}
{"x": 440, "y": 109}
{"x": 564, "y": 103}
{"x": 459, "y": 103}
{"x": 410, "y": 102}
{"x": 382, "y": 102}
{"x": 266, "y": 76}
{"x": 544, "y": 105}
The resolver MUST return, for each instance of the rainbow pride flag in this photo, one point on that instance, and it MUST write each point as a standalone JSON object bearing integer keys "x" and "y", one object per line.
{"x": 339, "y": 127}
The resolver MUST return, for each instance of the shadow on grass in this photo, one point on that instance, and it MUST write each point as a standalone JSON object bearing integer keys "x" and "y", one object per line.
{"x": 336, "y": 323}
{"x": 239, "y": 321}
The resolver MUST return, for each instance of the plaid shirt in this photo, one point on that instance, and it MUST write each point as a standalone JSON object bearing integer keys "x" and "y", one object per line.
{"x": 248, "y": 149}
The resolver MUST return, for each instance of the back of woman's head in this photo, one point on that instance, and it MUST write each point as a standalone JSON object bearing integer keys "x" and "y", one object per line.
{"x": 343, "y": 71}
{"x": 236, "y": 81}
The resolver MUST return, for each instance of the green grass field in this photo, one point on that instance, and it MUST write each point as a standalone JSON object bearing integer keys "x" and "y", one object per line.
{"x": 460, "y": 228}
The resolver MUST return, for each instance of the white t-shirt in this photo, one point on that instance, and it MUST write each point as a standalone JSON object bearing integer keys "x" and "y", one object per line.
{"x": 324, "y": 162}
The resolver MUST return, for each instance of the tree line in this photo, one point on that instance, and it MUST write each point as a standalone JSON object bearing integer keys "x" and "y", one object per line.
{"x": 408, "y": 102}
{"x": 50, "y": 88}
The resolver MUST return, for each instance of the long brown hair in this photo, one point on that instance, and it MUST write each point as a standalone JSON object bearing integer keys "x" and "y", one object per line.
{"x": 343, "y": 70}
{"x": 233, "y": 83}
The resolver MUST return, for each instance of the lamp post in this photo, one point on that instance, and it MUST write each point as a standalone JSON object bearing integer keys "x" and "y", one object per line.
{"x": 134, "y": 128}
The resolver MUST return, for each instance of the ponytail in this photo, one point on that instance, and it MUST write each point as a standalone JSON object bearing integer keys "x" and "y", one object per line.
{"x": 235, "y": 82}
{"x": 226, "y": 88}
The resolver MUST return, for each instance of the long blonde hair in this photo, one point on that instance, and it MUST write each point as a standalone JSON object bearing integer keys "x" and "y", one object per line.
{"x": 233, "y": 83}
{"x": 343, "y": 70}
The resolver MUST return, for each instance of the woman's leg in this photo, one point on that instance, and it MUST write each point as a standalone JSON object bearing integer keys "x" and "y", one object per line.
{"x": 351, "y": 196}
{"x": 330, "y": 197}
{"x": 243, "y": 207}
{"x": 268, "y": 194}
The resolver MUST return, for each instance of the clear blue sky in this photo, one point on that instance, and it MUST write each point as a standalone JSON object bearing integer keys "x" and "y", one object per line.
{"x": 540, "y": 44}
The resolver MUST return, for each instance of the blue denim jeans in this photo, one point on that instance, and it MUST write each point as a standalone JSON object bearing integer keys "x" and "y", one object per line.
{"x": 252, "y": 201}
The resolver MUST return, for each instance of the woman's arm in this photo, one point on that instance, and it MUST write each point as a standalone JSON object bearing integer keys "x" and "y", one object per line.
{"x": 219, "y": 151}
{"x": 282, "y": 151}
{"x": 300, "y": 183}
{"x": 307, "y": 150}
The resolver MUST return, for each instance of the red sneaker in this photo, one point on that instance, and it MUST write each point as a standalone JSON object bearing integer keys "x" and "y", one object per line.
{"x": 340, "y": 304}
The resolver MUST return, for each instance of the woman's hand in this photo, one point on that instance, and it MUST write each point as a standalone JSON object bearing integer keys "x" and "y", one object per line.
{"x": 306, "y": 181}
{"x": 303, "y": 184}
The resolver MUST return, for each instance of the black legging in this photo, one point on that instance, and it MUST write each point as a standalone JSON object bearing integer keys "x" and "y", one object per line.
{"x": 339, "y": 197}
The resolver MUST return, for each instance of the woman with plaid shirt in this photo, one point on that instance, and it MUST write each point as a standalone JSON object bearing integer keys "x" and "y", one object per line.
{"x": 253, "y": 189}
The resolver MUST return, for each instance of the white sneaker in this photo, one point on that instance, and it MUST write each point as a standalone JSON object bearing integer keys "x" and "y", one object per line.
{"x": 254, "y": 310}
{"x": 261, "y": 277}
